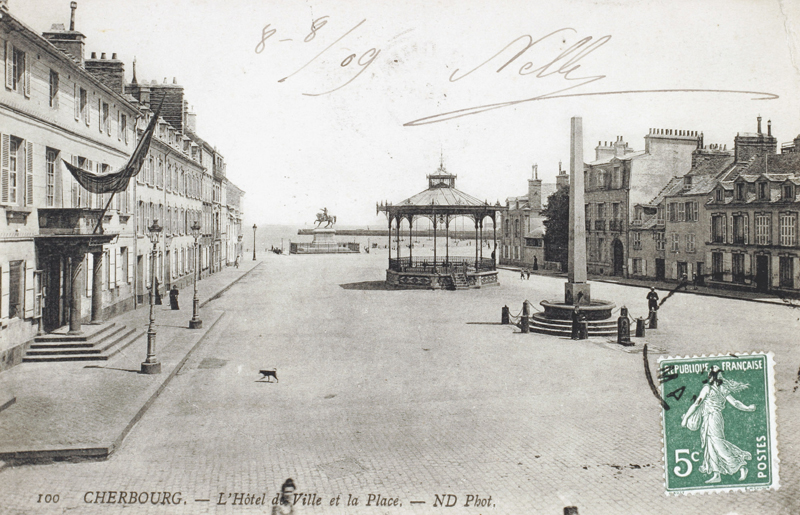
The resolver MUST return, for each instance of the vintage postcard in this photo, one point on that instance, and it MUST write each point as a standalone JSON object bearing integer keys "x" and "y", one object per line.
{"x": 399, "y": 258}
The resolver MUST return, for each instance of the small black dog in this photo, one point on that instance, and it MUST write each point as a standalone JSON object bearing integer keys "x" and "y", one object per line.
{"x": 267, "y": 374}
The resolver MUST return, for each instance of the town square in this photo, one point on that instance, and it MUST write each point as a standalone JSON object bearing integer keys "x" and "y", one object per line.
{"x": 361, "y": 257}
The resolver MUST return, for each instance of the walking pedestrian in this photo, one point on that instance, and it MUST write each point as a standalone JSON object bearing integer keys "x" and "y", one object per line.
{"x": 535, "y": 263}
{"x": 285, "y": 506}
{"x": 173, "y": 297}
{"x": 527, "y": 275}
{"x": 694, "y": 281}
{"x": 652, "y": 299}
{"x": 236, "y": 263}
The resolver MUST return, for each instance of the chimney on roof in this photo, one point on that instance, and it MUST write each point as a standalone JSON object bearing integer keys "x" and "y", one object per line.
{"x": 759, "y": 124}
{"x": 73, "y": 6}
{"x": 111, "y": 72}
{"x": 535, "y": 191}
{"x": 769, "y": 127}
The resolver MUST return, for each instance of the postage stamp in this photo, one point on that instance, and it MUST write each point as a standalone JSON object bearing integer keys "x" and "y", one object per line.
{"x": 708, "y": 448}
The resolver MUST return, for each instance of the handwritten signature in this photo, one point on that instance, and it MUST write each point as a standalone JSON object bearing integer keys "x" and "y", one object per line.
{"x": 370, "y": 55}
{"x": 564, "y": 64}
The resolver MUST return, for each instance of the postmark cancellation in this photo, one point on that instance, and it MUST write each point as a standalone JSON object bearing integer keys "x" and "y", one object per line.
{"x": 718, "y": 421}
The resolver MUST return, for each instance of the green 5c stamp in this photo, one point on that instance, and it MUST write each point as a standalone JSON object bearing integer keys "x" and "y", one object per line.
{"x": 718, "y": 418}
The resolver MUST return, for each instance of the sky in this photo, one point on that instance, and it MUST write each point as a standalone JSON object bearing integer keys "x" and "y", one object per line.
{"x": 360, "y": 115}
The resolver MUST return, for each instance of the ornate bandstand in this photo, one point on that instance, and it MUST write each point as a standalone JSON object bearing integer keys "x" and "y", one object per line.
{"x": 441, "y": 203}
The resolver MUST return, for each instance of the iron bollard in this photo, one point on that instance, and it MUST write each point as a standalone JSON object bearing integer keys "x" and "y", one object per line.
{"x": 640, "y": 327}
{"x": 653, "y": 319}
{"x": 623, "y": 327}
{"x": 570, "y": 510}
{"x": 575, "y": 324}
{"x": 583, "y": 327}
{"x": 525, "y": 327}
{"x": 505, "y": 317}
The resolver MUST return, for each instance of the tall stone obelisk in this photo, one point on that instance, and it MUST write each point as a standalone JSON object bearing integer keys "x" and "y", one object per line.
{"x": 576, "y": 290}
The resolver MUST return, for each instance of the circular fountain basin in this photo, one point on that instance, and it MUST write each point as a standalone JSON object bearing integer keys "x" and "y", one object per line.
{"x": 595, "y": 310}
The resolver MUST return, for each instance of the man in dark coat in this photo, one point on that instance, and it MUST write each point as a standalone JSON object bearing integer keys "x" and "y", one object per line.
{"x": 652, "y": 299}
{"x": 173, "y": 297}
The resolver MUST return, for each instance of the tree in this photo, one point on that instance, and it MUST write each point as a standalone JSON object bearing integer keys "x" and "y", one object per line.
{"x": 556, "y": 222}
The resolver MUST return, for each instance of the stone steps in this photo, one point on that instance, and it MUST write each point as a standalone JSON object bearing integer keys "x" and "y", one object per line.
{"x": 539, "y": 324}
{"x": 99, "y": 343}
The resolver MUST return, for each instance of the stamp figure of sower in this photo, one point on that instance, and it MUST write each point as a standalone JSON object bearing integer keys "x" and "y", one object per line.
{"x": 719, "y": 455}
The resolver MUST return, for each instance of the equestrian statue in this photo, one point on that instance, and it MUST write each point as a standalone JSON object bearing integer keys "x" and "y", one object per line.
{"x": 324, "y": 217}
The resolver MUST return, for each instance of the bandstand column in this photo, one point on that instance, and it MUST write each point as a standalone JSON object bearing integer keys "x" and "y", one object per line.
{"x": 494, "y": 237}
{"x": 76, "y": 290}
{"x": 476, "y": 243}
{"x": 397, "y": 239}
{"x": 410, "y": 240}
{"x": 481, "y": 224}
{"x": 447, "y": 239}
{"x": 97, "y": 287}
{"x": 434, "y": 242}
{"x": 390, "y": 242}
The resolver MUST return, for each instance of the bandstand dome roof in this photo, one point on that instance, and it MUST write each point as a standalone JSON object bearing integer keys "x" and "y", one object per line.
{"x": 442, "y": 197}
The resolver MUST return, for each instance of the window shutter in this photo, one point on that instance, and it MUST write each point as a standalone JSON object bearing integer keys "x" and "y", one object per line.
{"x": 88, "y": 110}
{"x": 5, "y": 147}
{"x": 119, "y": 125}
{"x": 117, "y": 268}
{"x": 59, "y": 185}
{"x": 4, "y": 279}
{"x": 29, "y": 293}
{"x": 725, "y": 236}
{"x": 88, "y": 272}
{"x": 9, "y": 65}
{"x": 100, "y": 114}
{"x": 746, "y": 220}
{"x": 131, "y": 261}
{"x": 26, "y": 79}
{"x": 29, "y": 174}
{"x": 74, "y": 183}
{"x": 77, "y": 98}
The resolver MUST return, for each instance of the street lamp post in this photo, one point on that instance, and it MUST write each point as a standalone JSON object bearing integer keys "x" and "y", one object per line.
{"x": 195, "y": 322}
{"x": 151, "y": 365}
{"x": 254, "y": 241}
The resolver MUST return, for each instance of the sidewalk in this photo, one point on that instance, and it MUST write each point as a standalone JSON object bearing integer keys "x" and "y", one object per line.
{"x": 85, "y": 409}
{"x": 752, "y": 296}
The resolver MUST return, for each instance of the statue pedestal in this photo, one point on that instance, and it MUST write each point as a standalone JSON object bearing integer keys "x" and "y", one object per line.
{"x": 577, "y": 291}
{"x": 324, "y": 239}
{"x": 324, "y": 242}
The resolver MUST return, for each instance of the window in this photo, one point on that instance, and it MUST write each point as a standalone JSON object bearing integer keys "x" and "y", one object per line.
{"x": 738, "y": 268}
{"x": 601, "y": 249}
{"x": 84, "y": 105}
{"x": 739, "y": 191}
{"x": 786, "y": 272}
{"x": 50, "y": 177}
{"x": 690, "y": 243}
{"x": 123, "y": 128}
{"x": 516, "y": 228}
{"x": 104, "y": 119}
{"x": 53, "y": 89}
{"x": 637, "y": 266}
{"x": 637, "y": 240}
{"x": 601, "y": 211}
{"x": 763, "y": 229}
{"x": 16, "y": 286}
{"x": 660, "y": 214}
{"x": 739, "y": 229}
{"x": 718, "y": 228}
{"x": 681, "y": 212}
{"x": 717, "y": 269}
{"x": 788, "y": 192}
{"x": 19, "y": 79}
{"x": 720, "y": 195}
{"x": 672, "y": 212}
{"x": 615, "y": 210}
{"x": 788, "y": 224}
{"x": 14, "y": 168}
{"x": 508, "y": 222}
{"x": 691, "y": 211}
{"x": 675, "y": 242}
{"x": 762, "y": 191}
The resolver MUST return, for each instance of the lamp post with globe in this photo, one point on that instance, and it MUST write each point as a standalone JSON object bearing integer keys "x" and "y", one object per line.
{"x": 151, "y": 365}
{"x": 195, "y": 322}
{"x": 254, "y": 241}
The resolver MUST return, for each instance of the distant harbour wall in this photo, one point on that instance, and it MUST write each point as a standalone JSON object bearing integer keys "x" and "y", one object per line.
{"x": 418, "y": 233}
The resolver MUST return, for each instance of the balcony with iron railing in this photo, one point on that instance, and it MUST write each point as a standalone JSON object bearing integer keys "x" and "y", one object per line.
{"x": 599, "y": 225}
{"x": 615, "y": 225}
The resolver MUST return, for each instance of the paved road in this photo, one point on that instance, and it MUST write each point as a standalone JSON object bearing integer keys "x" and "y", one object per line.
{"x": 414, "y": 394}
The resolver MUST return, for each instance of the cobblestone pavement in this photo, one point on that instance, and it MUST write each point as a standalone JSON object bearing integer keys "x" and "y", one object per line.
{"x": 414, "y": 394}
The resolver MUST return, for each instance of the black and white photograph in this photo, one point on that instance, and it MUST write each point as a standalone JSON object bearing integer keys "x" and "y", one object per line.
{"x": 399, "y": 258}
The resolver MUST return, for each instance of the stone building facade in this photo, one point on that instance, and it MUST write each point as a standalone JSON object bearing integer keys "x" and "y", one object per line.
{"x": 522, "y": 228}
{"x": 617, "y": 180}
{"x": 58, "y": 265}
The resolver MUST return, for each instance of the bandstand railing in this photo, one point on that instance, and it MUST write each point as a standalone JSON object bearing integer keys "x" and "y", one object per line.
{"x": 441, "y": 265}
